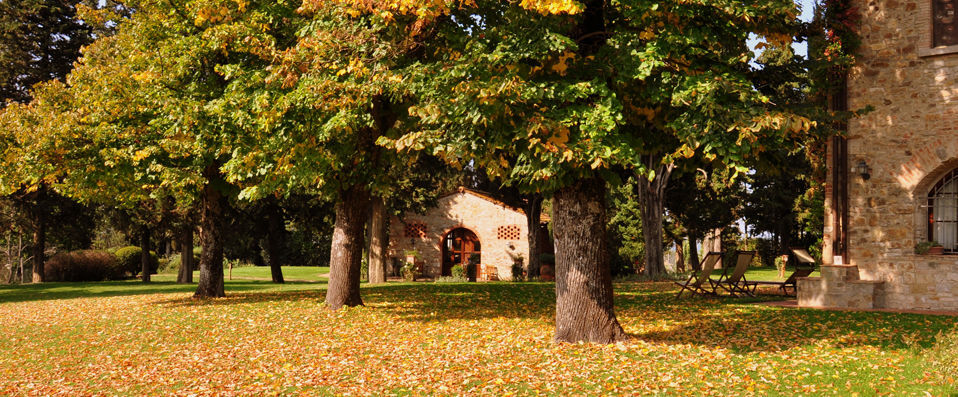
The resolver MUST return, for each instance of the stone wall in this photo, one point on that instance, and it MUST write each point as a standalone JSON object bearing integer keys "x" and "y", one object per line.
{"x": 910, "y": 140}
{"x": 469, "y": 210}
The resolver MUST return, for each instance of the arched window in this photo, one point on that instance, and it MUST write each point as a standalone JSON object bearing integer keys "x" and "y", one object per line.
{"x": 943, "y": 212}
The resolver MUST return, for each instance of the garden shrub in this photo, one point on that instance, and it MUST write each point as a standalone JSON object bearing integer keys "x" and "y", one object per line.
{"x": 84, "y": 265}
{"x": 173, "y": 265}
{"x": 129, "y": 258}
{"x": 409, "y": 272}
{"x": 518, "y": 274}
{"x": 458, "y": 272}
{"x": 452, "y": 279}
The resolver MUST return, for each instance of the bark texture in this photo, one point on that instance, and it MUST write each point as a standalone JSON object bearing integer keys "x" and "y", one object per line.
{"x": 211, "y": 238}
{"x": 275, "y": 241}
{"x": 185, "y": 275}
{"x": 145, "y": 268}
{"x": 345, "y": 257}
{"x": 584, "y": 297}
{"x": 694, "y": 252}
{"x": 378, "y": 236}
{"x": 652, "y": 206}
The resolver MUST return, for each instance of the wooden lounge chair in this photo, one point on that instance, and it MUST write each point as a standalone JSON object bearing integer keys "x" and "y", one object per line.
{"x": 698, "y": 282}
{"x": 734, "y": 282}
{"x": 804, "y": 267}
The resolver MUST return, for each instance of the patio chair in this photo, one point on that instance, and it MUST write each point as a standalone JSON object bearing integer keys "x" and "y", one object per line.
{"x": 735, "y": 282}
{"x": 698, "y": 282}
{"x": 803, "y": 268}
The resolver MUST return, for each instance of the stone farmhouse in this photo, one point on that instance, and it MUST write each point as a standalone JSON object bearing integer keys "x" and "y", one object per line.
{"x": 464, "y": 223}
{"x": 893, "y": 181}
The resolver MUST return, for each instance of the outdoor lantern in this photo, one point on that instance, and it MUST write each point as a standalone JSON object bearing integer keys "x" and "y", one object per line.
{"x": 862, "y": 169}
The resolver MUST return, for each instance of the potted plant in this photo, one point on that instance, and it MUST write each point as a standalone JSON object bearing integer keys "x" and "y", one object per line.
{"x": 472, "y": 267}
{"x": 547, "y": 267}
{"x": 929, "y": 248}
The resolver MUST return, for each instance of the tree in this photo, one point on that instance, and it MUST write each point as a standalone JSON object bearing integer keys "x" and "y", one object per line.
{"x": 557, "y": 98}
{"x": 39, "y": 41}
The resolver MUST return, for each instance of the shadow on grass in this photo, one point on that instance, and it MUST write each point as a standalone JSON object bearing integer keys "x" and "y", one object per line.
{"x": 66, "y": 290}
{"x": 648, "y": 310}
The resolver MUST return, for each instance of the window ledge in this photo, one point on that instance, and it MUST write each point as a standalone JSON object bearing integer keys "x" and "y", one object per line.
{"x": 943, "y": 50}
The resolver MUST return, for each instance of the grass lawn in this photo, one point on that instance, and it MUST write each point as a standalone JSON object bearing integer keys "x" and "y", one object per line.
{"x": 290, "y": 273}
{"x": 769, "y": 273}
{"x": 425, "y": 338}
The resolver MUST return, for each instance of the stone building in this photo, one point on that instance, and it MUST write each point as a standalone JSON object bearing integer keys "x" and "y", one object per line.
{"x": 893, "y": 182}
{"x": 464, "y": 223}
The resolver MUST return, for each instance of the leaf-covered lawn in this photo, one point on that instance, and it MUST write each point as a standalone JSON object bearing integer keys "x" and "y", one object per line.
{"x": 424, "y": 338}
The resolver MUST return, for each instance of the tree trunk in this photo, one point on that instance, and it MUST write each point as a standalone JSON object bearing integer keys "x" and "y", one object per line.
{"x": 533, "y": 214}
{"x": 275, "y": 241}
{"x": 584, "y": 296}
{"x": 145, "y": 268}
{"x": 211, "y": 238}
{"x": 185, "y": 275}
{"x": 679, "y": 256}
{"x": 378, "y": 236}
{"x": 652, "y": 206}
{"x": 345, "y": 257}
{"x": 39, "y": 243}
{"x": 694, "y": 252}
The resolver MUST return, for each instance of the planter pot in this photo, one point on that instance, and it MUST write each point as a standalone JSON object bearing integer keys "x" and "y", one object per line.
{"x": 936, "y": 251}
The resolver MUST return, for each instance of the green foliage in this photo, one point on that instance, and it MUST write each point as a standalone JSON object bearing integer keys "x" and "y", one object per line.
{"x": 924, "y": 246}
{"x": 518, "y": 273}
{"x": 173, "y": 264}
{"x": 409, "y": 272}
{"x": 130, "y": 259}
{"x": 458, "y": 272}
{"x": 626, "y": 242}
{"x": 85, "y": 265}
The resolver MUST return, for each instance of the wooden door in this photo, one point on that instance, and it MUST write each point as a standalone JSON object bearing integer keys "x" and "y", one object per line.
{"x": 458, "y": 245}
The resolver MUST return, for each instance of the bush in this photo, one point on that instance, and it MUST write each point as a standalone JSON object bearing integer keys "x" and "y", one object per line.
{"x": 409, "y": 272}
{"x": 517, "y": 273}
{"x": 452, "y": 279}
{"x": 85, "y": 265}
{"x": 547, "y": 259}
{"x": 173, "y": 265}
{"x": 129, "y": 258}
{"x": 458, "y": 272}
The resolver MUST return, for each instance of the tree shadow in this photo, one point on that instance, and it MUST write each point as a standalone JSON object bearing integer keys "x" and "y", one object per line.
{"x": 73, "y": 290}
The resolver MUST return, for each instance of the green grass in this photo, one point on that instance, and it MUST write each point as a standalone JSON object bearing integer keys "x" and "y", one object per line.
{"x": 128, "y": 338}
{"x": 290, "y": 273}
{"x": 770, "y": 274}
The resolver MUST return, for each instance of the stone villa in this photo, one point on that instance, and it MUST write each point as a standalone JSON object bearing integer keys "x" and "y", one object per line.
{"x": 464, "y": 223}
{"x": 893, "y": 182}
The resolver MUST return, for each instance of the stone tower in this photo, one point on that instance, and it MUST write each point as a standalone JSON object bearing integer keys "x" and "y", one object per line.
{"x": 892, "y": 182}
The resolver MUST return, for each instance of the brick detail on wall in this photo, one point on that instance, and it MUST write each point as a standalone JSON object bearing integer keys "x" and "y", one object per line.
{"x": 508, "y": 232}
{"x": 415, "y": 230}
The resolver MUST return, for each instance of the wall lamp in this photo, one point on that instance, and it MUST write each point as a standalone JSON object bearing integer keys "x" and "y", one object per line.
{"x": 862, "y": 169}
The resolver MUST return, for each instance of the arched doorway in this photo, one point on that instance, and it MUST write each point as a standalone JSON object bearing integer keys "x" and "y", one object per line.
{"x": 457, "y": 246}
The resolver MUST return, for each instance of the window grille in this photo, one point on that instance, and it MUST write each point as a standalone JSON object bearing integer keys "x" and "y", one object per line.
{"x": 945, "y": 22}
{"x": 508, "y": 232}
{"x": 416, "y": 230}
{"x": 943, "y": 212}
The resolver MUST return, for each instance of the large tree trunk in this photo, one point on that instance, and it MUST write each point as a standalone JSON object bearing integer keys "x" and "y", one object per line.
{"x": 584, "y": 296}
{"x": 275, "y": 240}
{"x": 211, "y": 238}
{"x": 652, "y": 206}
{"x": 185, "y": 275}
{"x": 533, "y": 212}
{"x": 145, "y": 268}
{"x": 345, "y": 257}
{"x": 679, "y": 256}
{"x": 378, "y": 236}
